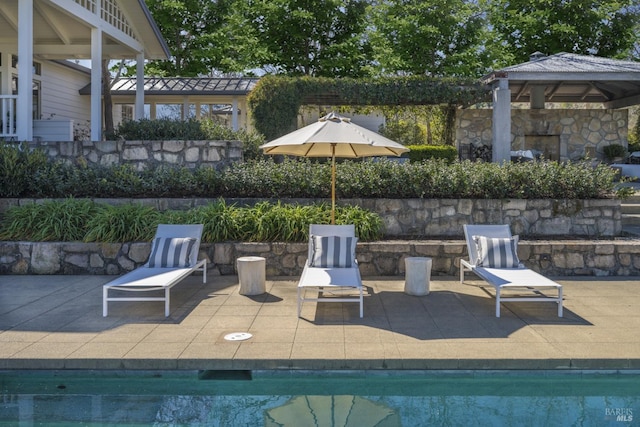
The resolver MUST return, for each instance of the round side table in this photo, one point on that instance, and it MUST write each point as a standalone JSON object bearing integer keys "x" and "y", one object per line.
{"x": 417, "y": 275}
{"x": 251, "y": 275}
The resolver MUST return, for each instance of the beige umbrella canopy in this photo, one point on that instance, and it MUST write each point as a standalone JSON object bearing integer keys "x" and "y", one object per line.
{"x": 334, "y": 136}
{"x": 331, "y": 411}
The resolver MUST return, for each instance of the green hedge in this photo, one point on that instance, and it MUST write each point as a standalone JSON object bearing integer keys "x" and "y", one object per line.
{"x": 25, "y": 174}
{"x": 425, "y": 152}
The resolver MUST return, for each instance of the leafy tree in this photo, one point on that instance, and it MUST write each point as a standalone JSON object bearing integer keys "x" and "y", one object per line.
{"x": 433, "y": 37}
{"x": 203, "y": 35}
{"x": 323, "y": 38}
{"x": 599, "y": 27}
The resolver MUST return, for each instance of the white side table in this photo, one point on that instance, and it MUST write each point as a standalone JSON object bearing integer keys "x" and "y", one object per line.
{"x": 417, "y": 275}
{"x": 251, "y": 275}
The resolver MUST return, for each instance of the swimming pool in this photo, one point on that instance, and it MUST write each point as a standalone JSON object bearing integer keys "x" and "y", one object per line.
{"x": 313, "y": 398}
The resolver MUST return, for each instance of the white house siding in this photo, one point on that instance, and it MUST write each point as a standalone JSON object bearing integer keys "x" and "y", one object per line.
{"x": 60, "y": 98}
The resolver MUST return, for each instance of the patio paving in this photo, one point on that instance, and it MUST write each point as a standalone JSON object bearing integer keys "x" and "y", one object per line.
{"x": 55, "y": 322}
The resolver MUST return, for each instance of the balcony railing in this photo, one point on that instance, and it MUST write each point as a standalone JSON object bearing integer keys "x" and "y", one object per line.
{"x": 8, "y": 127}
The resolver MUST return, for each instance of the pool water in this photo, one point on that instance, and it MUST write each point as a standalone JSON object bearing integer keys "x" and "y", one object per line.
{"x": 313, "y": 398}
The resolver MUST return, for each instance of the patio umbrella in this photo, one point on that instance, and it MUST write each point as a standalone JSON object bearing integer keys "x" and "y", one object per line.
{"x": 334, "y": 136}
{"x": 331, "y": 411}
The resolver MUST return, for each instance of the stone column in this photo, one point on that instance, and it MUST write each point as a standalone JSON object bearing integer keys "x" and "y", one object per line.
{"x": 501, "y": 126}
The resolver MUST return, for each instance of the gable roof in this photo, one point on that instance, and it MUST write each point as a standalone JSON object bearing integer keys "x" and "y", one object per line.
{"x": 62, "y": 28}
{"x": 570, "y": 77}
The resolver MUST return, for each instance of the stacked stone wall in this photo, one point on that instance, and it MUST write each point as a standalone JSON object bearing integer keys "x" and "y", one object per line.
{"x": 384, "y": 258}
{"x": 145, "y": 154}
{"x": 420, "y": 218}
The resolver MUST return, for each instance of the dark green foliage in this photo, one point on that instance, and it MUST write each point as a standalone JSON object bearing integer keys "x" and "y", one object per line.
{"x": 424, "y": 152}
{"x": 49, "y": 221}
{"x": 17, "y": 165}
{"x": 84, "y": 220}
{"x": 267, "y": 179}
{"x": 309, "y": 178}
{"x": 123, "y": 223}
{"x": 276, "y": 100}
{"x": 613, "y": 151}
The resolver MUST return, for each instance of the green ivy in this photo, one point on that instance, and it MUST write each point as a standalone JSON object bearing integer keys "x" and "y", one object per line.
{"x": 275, "y": 101}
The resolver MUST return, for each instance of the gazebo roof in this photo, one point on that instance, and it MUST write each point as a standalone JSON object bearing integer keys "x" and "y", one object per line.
{"x": 570, "y": 77}
{"x": 183, "y": 86}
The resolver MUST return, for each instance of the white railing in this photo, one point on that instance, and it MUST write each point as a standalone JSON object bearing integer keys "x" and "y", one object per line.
{"x": 8, "y": 127}
{"x": 109, "y": 12}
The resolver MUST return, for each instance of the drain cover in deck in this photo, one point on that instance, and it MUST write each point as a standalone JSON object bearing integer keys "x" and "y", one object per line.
{"x": 238, "y": 336}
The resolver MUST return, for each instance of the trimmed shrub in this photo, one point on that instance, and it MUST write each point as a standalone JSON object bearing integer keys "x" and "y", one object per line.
{"x": 17, "y": 165}
{"x": 424, "y": 152}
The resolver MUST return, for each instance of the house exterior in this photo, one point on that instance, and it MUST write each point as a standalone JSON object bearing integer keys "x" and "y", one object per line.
{"x": 35, "y": 87}
{"x": 60, "y": 112}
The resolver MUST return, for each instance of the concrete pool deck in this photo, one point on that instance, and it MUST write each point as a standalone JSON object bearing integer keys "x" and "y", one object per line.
{"x": 55, "y": 322}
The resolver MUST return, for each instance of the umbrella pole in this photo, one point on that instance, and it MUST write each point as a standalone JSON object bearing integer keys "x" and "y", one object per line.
{"x": 333, "y": 184}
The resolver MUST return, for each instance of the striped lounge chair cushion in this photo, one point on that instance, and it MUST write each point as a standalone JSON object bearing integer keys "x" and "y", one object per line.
{"x": 497, "y": 252}
{"x": 171, "y": 252}
{"x": 333, "y": 251}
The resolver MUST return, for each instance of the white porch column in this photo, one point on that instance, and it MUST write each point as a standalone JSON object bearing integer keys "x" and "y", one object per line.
{"x": 96, "y": 84}
{"x": 501, "y": 126}
{"x": 24, "y": 113}
{"x": 234, "y": 113}
{"x": 139, "y": 107}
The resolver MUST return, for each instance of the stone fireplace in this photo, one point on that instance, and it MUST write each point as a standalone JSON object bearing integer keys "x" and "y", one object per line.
{"x": 546, "y": 145}
{"x": 560, "y": 134}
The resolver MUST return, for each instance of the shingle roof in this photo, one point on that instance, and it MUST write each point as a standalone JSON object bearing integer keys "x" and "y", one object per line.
{"x": 573, "y": 63}
{"x": 569, "y": 77}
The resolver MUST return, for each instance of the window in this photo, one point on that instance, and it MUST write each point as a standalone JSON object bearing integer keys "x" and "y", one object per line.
{"x": 127, "y": 112}
{"x": 37, "y": 67}
{"x": 35, "y": 88}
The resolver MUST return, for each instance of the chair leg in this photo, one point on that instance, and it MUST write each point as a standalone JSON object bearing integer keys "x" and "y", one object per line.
{"x": 361, "y": 303}
{"x": 166, "y": 302}
{"x": 560, "y": 301}
{"x": 105, "y": 303}
{"x": 497, "y": 302}
{"x": 204, "y": 272}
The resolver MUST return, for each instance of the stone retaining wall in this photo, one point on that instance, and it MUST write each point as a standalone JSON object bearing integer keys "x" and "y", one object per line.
{"x": 553, "y": 258}
{"x": 420, "y": 218}
{"x": 143, "y": 154}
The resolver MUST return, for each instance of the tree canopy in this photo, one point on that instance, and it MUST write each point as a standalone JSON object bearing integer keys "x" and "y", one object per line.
{"x": 605, "y": 28}
{"x": 355, "y": 38}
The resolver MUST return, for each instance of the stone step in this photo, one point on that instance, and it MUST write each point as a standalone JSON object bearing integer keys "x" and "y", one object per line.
{"x": 630, "y": 219}
{"x": 635, "y": 199}
{"x": 630, "y": 208}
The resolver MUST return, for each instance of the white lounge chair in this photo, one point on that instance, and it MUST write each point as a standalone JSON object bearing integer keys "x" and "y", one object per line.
{"x": 331, "y": 266}
{"x": 502, "y": 269}
{"x": 173, "y": 257}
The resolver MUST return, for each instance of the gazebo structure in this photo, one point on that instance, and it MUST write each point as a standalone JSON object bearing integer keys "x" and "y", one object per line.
{"x": 197, "y": 97}
{"x": 558, "y": 133}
